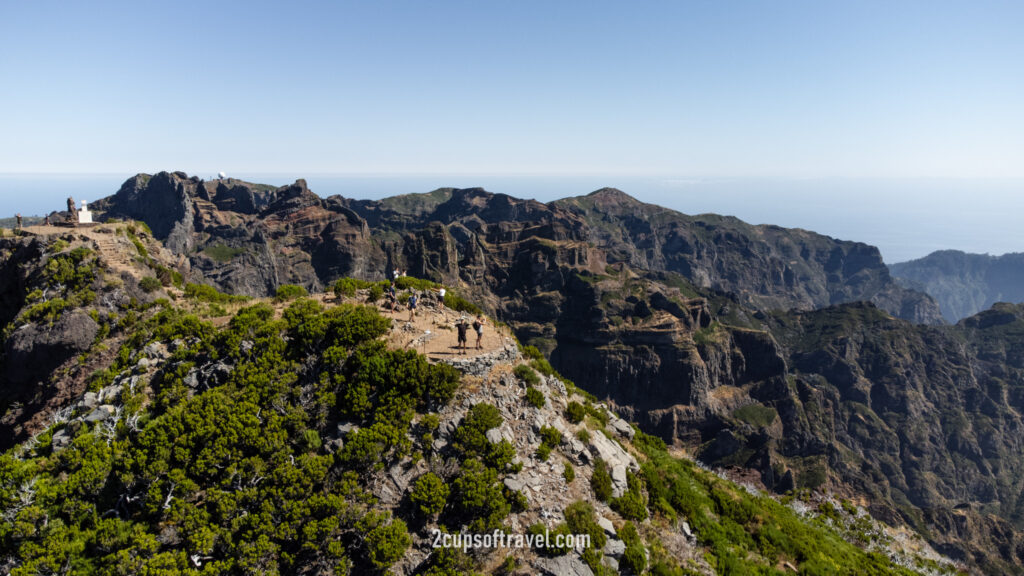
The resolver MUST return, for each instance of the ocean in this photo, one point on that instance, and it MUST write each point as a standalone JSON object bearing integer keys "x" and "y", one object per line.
{"x": 906, "y": 219}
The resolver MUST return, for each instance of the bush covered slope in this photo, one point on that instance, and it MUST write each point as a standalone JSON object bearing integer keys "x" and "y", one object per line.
{"x": 287, "y": 438}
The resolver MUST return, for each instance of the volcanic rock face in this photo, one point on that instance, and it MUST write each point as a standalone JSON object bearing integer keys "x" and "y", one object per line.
{"x": 249, "y": 238}
{"x": 964, "y": 284}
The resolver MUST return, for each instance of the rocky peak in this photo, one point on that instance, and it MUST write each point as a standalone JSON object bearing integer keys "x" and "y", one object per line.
{"x": 606, "y": 197}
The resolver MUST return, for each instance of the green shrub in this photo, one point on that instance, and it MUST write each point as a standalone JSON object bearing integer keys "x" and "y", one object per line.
{"x": 205, "y": 293}
{"x": 538, "y": 530}
{"x": 629, "y": 534}
{"x": 575, "y": 412}
{"x": 430, "y": 423}
{"x": 376, "y": 293}
{"x": 430, "y": 494}
{"x": 550, "y": 439}
{"x": 543, "y": 366}
{"x": 756, "y": 415}
{"x": 526, "y": 374}
{"x": 532, "y": 353}
{"x": 535, "y": 397}
{"x": 633, "y": 560}
{"x": 289, "y": 292}
{"x": 455, "y": 302}
{"x": 150, "y": 284}
{"x": 601, "y": 481}
{"x": 222, "y": 252}
{"x": 569, "y": 473}
{"x": 471, "y": 439}
{"x": 348, "y": 287}
{"x": 581, "y": 519}
{"x": 478, "y": 498}
{"x": 630, "y": 505}
{"x": 387, "y": 543}
{"x": 408, "y": 282}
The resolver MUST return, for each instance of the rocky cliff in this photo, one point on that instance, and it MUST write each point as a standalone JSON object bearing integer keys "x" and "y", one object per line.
{"x": 251, "y": 238}
{"x": 964, "y": 284}
{"x": 193, "y": 432}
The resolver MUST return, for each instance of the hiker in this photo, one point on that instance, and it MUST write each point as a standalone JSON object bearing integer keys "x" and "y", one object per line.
{"x": 440, "y": 301}
{"x": 413, "y": 300}
{"x": 478, "y": 327}
{"x": 395, "y": 274}
{"x": 18, "y": 216}
{"x": 46, "y": 220}
{"x": 462, "y": 327}
{"x": 392, "y": 298}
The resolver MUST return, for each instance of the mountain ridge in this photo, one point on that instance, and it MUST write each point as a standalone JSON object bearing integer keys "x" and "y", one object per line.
{"x": 963, "y": 283}
{"x": 805, "y": 390}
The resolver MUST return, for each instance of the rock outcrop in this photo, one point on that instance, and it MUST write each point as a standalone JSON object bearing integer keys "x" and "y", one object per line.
{"x": 964, "y": 284}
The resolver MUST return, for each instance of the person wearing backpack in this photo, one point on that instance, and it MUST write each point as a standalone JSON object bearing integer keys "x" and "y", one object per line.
{"x": 478, "y": 327}
{"x": 413, "y": 300}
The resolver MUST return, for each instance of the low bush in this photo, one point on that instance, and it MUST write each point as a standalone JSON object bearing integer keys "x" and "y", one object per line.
{"x": 526, "y": 374}
{"x": 150, "y": 284}
{"x": 289, "y": 292}
{"x": 535, "y": 397}
{"x": 601, "y": 481}
{"x": 575, "y": 412}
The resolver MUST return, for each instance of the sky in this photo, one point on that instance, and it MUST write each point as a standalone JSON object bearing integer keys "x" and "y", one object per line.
{"x": 685, "y": 91}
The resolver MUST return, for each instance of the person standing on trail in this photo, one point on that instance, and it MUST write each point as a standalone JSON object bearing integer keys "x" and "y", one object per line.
{"x": 478, "y": 327}
{"x": 462, "y": 328}
{"x": 413, "y": 300}
{"x": 18, "y": 216}
{"x": 440, "y": 300}
{"x": 392, "y": 298}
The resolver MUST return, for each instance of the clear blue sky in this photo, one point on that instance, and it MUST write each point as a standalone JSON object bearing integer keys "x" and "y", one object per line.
{"x": 771, "y": 89}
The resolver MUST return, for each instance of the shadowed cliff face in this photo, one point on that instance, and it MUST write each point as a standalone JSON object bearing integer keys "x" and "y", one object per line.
{"x": 251, "y": 238}
{"x": 964, "y": 284}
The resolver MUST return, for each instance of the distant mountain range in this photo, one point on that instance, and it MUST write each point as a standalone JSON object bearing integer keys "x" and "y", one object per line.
{"x": 964, "y": 284}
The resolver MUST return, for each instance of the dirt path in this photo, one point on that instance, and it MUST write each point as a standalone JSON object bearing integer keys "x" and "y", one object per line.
{"x": 114, "y": 250}
{"x": 432, "y": 332}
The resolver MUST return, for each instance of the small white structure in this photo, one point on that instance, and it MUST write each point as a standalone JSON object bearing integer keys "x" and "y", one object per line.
{"x": 222, "y": 175}
{"x": 84, "y": 216}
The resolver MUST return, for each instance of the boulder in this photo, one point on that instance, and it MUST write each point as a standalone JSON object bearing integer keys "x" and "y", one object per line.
{"x": 617, "y": 459}
{"x": 614, "y": 547}
{"x": 568, "y": 565}
{"x": 606, "y": 525}
{"x": 35, "y": 350}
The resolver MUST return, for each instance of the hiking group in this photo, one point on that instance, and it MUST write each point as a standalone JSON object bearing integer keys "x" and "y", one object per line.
{"x": 437, "y": 295}
{"x": 463, "y": 327}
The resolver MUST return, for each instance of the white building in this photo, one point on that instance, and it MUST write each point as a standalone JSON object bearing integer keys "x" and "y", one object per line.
{"x": 84, "y": 216}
